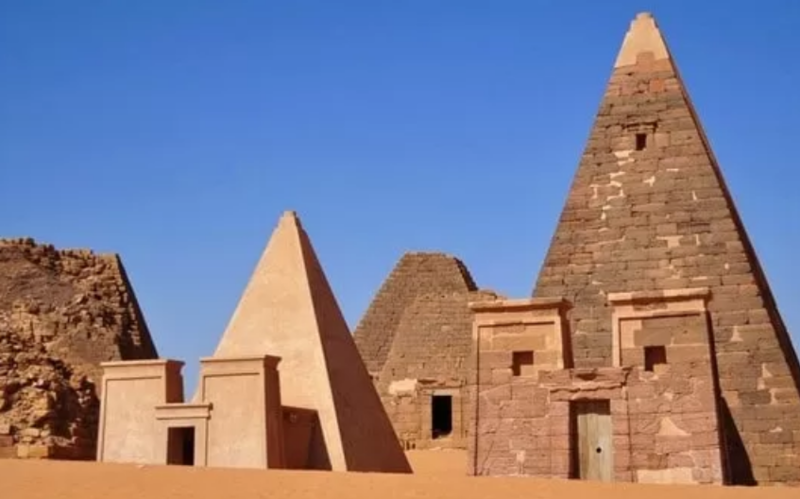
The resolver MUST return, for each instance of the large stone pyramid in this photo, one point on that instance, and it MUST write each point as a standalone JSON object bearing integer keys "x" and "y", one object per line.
{"x": 289, "y": 311}
{"x": 649, "y": 210}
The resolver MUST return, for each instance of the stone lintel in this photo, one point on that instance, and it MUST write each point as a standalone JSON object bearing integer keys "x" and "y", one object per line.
{"x": 441, "y": 382}
{"x": 143, "y": 363}
{"x": 567, "y": 379}
{"x": 183, "y": 411}
{"x": 664, "y": 295}
{"x": 138, "y": 369}
{"x": 518, "y": 304}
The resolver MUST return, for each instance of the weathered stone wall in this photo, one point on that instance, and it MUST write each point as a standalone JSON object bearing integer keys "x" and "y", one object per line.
{"x": 430, "y": 356}
{"x": 61, "y": 314}
{"x": 416, "y": 338}
{"x": 649, "y": 210}
{"x": 664, "y": 418}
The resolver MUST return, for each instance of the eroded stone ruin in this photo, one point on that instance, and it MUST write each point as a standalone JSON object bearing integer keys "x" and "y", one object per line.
{"x": 416, "y": 338}
{"x": 285, "y": 388}
{"x": 62, "y": 313}
{"x": 652, "y": 350}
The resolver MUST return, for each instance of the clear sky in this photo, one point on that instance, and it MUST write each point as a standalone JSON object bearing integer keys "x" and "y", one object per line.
{"x": 176, "y": 132}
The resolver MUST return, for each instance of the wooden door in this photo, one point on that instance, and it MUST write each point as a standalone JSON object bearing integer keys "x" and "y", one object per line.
{"x": 594, "y": 445}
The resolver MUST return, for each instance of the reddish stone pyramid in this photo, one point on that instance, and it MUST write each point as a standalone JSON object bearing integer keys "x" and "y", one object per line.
{"x": 649, "y": 210}
{"x": 416, "y": 274}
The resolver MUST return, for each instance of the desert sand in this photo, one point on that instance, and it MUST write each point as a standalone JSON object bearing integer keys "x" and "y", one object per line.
{"x": 438, "y": 475}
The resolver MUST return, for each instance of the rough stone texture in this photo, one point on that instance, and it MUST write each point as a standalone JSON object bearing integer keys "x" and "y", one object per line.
{"x": 430, "y": 356}
{"x": 417, "y": 338}
{"x": 664, "y": 423}
{"x": 661, "y": 217}
{"x": 61, "y": 314}
{"x": 415, "y": 274}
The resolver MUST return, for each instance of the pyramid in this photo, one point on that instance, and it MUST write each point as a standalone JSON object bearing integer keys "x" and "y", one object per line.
{"x": 62, "y": 313}
{"x": 417, "y": 336}
{"x": 649, "y": 210}
{"x": 289, "y": 311}
{"x": 415, "y": 274}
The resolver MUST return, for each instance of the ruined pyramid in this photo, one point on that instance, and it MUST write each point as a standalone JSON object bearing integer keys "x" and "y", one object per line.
{"x": 417, "y": 337}
{"x": 415, "y": 274}
{"x": 62, "y": 313}
{"x": 649, "y": 210}
{"x": 289, "y": 311}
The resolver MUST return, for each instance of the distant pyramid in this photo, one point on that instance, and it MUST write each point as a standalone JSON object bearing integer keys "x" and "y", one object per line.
{"x": 649, "y": 210}
{"x": 416, "y": 273}
{"x": 288, "y": 310}
{"x": 416, "y": 339}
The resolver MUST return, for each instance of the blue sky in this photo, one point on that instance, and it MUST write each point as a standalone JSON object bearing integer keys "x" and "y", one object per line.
{"x": 176, "y": 132}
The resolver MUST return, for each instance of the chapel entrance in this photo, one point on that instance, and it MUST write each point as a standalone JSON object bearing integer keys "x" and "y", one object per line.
{"x": 441, "y": 416}
{"x": 180, "y": 445}
{"x": 592, "y": 444}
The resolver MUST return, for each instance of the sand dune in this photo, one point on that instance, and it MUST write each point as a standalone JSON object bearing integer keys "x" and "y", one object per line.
{"x": 436, "y": 478}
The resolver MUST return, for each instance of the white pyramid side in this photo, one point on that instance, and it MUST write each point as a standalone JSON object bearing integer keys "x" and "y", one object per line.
{"x": 276, "y": 316}
{"x": 368, "y": 437}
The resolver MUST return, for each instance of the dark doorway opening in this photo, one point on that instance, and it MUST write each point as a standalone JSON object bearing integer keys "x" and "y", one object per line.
{"x": 441, "y": 416}
{"x": 641, "y": 141}
{"x": 180, "y": 446}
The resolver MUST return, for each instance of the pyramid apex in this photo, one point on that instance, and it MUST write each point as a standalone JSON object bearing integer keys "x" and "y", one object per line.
{"x": 290, "y": 216}
{"x": 642, "y": 37}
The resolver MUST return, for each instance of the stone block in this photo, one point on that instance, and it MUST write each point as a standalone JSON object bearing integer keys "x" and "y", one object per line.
{"x": 33, "y": 451}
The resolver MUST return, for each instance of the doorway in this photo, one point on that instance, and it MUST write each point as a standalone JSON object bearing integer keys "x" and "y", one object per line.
{"x": 180, "y": 446}
{"x": 592, "y": 444}
{"x": 441, "y": 416}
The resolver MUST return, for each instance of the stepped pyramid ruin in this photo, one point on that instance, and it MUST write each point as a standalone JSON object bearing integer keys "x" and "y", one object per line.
{"x": 416, "y": 336}
{"x": 652, "y": 349}
{"x": 285, "y": 388}
{"x": 62, "y": 313}
{"x": 415, "y": 274}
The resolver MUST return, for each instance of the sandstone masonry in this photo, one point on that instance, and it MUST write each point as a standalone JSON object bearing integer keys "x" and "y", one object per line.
{"x": 61, "y": 314}
{"x": 648, "y": 212}
{"x": 417, "y": 337}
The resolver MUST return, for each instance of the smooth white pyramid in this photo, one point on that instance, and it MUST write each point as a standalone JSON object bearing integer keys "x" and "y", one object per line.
{"x": 288, "y": 310}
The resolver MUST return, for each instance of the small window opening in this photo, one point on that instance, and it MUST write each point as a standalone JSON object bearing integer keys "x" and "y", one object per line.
{"x": 641, "y": 141}
{"x": 653, "y": 356}
{"x": 180, "y": 446}
{"x": 441, "y": 416}
{"x": 520, "y": 359}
